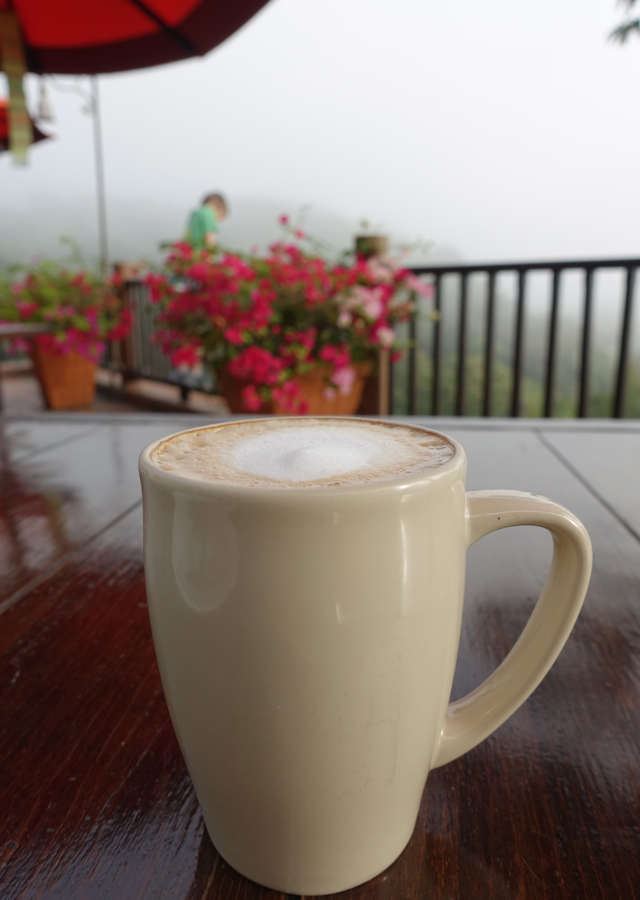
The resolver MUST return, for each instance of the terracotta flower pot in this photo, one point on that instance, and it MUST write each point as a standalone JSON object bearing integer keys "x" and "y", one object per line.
{"x": 312, "y": 387}
{"x": 66, "y": 381}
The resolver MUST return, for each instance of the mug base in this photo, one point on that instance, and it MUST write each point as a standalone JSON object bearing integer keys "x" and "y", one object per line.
{"x": 314, "y": 885}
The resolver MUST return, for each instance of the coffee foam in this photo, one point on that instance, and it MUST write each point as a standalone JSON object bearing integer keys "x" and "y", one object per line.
{"x": 302, "y": 452}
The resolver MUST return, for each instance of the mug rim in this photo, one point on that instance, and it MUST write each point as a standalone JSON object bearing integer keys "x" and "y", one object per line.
{"x": 194, "y": 485}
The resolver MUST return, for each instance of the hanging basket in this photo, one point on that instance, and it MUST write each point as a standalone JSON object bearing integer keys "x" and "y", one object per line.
{"x": 312, "y": 386}
{"x": 66, "y": 381}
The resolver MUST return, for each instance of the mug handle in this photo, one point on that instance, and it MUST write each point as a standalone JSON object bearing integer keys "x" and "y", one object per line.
{"x": 474, "y": 717}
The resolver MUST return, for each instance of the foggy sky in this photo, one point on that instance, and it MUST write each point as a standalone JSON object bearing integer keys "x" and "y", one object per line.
{"x": 498, "y": 130}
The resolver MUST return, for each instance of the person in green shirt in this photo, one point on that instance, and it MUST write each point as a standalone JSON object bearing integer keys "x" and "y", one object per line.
{"x": 202, "y": 230}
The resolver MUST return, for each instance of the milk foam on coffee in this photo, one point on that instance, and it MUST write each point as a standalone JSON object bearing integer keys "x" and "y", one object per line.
{"x": 302, "y": 452}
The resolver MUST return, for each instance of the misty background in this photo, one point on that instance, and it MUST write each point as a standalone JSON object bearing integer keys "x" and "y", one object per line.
{"x": 494, "y": 131}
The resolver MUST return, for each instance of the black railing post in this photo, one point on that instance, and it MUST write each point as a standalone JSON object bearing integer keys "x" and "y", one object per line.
{"x": 437, "y": 346}
{"x": 551, "y": 348}
{"x": 623, "y": 359}
{"x": 413, "y": 364}
{"x": 583, "y": 400}
{"x": 462, "y": 345}
{"x": 518, "y": 346}
{"x": 488, "y": 344}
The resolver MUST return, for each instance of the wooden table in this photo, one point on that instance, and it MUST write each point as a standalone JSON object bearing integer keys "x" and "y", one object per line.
{"x": 12, "y": 330}
{"x": 95, "y": 801}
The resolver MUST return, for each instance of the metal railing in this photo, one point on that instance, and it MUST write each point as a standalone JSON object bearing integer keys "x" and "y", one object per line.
{"x": 471, "y": 315}
{"x": 556, "y": 269}
{"x": 142, "y": 357}
{"x": 139, "y": 357}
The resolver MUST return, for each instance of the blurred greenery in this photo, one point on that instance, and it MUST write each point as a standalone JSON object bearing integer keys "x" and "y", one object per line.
{"x": 628, "y": 27}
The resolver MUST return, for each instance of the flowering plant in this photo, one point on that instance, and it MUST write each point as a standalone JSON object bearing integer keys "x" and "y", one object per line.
{"x": 264, "y": 320}
{"x": 82, "y": 308}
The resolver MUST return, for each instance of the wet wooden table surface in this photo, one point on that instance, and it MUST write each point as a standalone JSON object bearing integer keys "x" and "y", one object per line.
{"x": 95, "y": 801}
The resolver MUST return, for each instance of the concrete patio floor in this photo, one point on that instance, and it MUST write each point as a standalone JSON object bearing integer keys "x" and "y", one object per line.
{"x": 21, "y": 395}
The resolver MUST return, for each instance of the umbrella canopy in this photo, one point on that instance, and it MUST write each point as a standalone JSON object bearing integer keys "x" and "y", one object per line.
{"x": 80, "y": 37}
{"x": 4, "y": 128}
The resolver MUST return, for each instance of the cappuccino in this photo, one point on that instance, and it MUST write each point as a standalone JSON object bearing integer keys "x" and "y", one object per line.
{"x": 303, "y": 452}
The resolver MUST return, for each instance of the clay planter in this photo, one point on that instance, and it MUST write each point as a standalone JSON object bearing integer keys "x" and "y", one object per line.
{"x": 312, "y": 387}
{"x": 66, "y": 381}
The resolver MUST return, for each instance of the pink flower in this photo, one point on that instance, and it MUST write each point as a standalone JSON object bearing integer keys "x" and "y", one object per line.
{"x": 234, "y": 336}
{"x": 198, "y": 271}
{"x": 26, "y": 309}
{"x": 155, "y": 283}
{"x": 418, "y": 285}
{"x": 344, "y": 319}
{"x": 306, "y": 339}
{"x": 368, "y": 299}
{"x": 380, "y": 271}
{"x": 251, "y": 398}
{"x": 287, "y": 395}
{"x": 344, "y": 379}
{"x": 185, "y": 356}
{"x": 337, "y": 355}
{"x": 299, "y": 234}
{"x": 284, "y": 220}
{"x": 385, "y": 337}
{"x": 371, "y": 301}
{"x": 182, "y": 250}
{"x": 122, "y": 329}
{"x": 257, "y": 365}
{"x": 329, "y": 393}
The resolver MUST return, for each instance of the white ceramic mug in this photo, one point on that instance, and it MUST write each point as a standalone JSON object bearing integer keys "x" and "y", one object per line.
{"x": 307, "y": 640}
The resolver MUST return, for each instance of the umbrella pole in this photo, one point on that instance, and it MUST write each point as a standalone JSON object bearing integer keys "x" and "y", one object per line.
{"x": 100, "y": 188}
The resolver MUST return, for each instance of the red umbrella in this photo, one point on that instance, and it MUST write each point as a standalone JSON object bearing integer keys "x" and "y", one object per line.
{"x": 4, "y": 128}
{"x": 80, "y": 37}
{"x": 87, "y": 37}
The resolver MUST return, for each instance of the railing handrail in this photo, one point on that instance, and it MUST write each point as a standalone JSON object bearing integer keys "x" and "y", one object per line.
{"x": 548, "y": 265}
{"x": 23, "y": 329}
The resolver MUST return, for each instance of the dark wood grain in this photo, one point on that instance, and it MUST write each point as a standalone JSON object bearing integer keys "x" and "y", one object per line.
{"x": 549, "y": 806}
{"x": 60, "y": 487}
{"x": 95, "y": 799}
